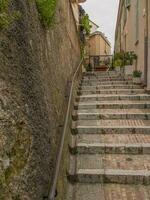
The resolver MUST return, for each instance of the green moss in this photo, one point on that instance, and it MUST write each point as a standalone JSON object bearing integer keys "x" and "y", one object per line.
{"x": 6, "y": 18}
{"x": 18, "y": 156}
{"x": 46, "y": 10}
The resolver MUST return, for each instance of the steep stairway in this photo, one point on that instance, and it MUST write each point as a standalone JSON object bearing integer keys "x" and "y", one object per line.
{"x": 110, "y": 142}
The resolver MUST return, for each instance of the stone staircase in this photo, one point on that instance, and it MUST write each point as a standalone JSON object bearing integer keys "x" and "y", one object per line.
{"x": 110, "y": 145}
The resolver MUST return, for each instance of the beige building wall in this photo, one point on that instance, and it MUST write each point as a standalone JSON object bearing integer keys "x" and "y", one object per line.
{"x": 130, "y": 33}
{"x": 148, "y": 78}
{"x": 98, "y": 45}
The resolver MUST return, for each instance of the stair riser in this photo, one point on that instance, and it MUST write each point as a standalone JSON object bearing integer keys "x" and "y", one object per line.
{"x": 129, "y": 92}
{"x": 107, "y": 83}
{"x": 117, "y": 130}
{"x": 112, "y": 98}
{"x": 113, "y": 106}
{"x": 111, "y": 116}
{"x": 93, "y": 74}
{"x": 90, "y": 88}
{"x": 105, "y": 79}
{"x": 102, "y": 149}
{"x": 111, "y": 178}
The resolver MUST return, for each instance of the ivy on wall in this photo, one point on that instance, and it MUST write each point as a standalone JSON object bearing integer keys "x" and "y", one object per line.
{"x": 46, "y": 9}
{"x": 85, "y": 22}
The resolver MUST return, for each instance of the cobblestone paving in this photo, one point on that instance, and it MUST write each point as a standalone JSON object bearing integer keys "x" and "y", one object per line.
{"x": 110, "y": 142}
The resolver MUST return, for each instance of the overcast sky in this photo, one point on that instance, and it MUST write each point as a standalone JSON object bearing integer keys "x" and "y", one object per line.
{"x": 104, "y": 14}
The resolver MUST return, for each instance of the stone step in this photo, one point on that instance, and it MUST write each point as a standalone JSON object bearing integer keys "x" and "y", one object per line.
{"x": 102, "y": 77}
{"x": 106, "y": 80}
{"x": 120, "y": 104}
{"x": 96, "y": 83}
{"x": 96, "y": 78}
{"x": 96, "y": 114}
{"x": 110, "y": 144}
{"x": 101, "y": 87}
{"x": 112, "y": 91}
{"x": 85, "y": 191}
{"x": 111, "y": 126}
{"x": 111, "y": 168}
{"x": 98, "y": 191}
{"x": 101, "y": 73}
{"x": 84, "y": 80}
{"x": 114, "y": 97}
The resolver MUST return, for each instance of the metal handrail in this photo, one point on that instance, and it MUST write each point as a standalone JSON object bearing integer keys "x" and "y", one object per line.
{"x": 59, "y": 156}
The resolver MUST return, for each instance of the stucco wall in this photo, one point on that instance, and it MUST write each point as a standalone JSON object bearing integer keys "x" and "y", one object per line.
{"x": 148, "y": 75}
{"x": 36, "y": 65}
{"x": 132, "y": 43}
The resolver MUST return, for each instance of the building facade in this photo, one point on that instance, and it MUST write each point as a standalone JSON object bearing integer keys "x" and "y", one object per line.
{"x": 94, "y": 26}
{"x": 98, "y": 44}
{"x": 132, "y": 33}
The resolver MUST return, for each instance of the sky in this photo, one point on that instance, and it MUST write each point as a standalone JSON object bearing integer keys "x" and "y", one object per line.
{"x": 104, "y": 14}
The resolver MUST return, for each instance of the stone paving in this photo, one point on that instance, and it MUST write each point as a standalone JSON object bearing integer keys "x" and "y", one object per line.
{"x": 110, "y": 142}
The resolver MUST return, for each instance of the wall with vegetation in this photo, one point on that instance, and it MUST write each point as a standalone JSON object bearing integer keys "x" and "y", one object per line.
{"x": 38, "y": 55}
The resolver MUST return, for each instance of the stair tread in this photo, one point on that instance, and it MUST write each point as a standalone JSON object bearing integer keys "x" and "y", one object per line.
{"x": 123, "y": 89}
{"x": 97, "y": 191}
{"x": 110, "y": 95}
{"x": 115, "y": 163}
{"x": 113, "y": 123}
{"x": 112, "y": 111}
{"x": 113, "y": 102}
{"x": 112, "y": 139}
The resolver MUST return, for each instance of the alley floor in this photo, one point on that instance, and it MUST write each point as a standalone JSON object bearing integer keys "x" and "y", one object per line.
{"x": 110, "y": 142}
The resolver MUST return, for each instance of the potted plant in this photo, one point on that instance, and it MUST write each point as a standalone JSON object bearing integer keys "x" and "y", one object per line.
{"x": 89, "y": 67}
{"x": 118, "y": 64}
{"x": 137, "y": 76}
{"x": 129, "y": 58}
{"x": 118, "y": 61}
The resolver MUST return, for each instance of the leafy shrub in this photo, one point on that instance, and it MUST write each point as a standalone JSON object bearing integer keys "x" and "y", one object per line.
{"x": 130, "y": 57}
{"x": 118, "y": 60}
{"x": 46, "y": 10}
{"x": 124, "y": 58}
{"x": 137, "y": 74}
{"x": 85, "y": 23}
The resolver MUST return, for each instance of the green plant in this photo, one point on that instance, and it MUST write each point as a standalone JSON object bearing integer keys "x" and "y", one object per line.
{"x": 89, "y": 67}
{"x": 129, "y": 57}
{"x": 6, "y": 18}
{"x": 124, "y": 58}
{"x": 118, "y": 60}
{"x": 46, "y": 9}
{"x": 85, "y": 22}
{"x": 118, "y": 63}
{"x": 137, "y": 73}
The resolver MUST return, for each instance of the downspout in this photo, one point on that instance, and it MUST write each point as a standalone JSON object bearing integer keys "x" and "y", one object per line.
{"x": 146, "y": 46}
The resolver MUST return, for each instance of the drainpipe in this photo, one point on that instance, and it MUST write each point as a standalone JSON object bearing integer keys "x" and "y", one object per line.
{"x": 146, "y": 46}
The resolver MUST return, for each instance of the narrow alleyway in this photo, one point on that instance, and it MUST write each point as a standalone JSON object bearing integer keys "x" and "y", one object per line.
{"x": 110, "y": 147}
